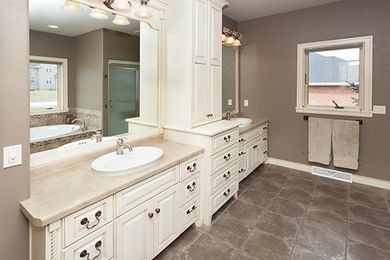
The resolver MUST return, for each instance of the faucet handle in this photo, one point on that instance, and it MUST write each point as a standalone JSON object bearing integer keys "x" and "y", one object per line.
{"x": 121, "y": 140}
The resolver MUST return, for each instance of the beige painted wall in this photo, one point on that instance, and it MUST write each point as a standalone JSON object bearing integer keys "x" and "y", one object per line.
{"x": 59, "y": 46}
{"x": 14, "y": 127}
{"x": 268, "y": 75}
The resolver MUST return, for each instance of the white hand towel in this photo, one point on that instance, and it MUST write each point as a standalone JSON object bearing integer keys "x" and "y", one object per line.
{"x": 320, "y": 140}
{"x": 345, "y": 140}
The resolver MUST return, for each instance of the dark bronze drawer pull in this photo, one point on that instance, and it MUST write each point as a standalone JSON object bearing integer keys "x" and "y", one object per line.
{"x": 150, "y": 215}
{"x": 85, "y": 221}
{"x": 192, "y": 187}
{"x": 157, "y": 210}
{"x": 265, "y": 152}
{"x": 227, "y": 157}
{"x": 190, "y": 210}
{"x": 191, "y": 168}
{"x": 265, "y": 128}
{"x": 255, "y": 146}
{"x": 226, "y": 193}
{"x": 241, "y": 140}
{"x": 265, "y": 138}
{"x": 85, "y": 253}
{"x": 227, "y": 138}
{"x": 241, "y": 170}
{"x": 227, "y": 175}
{"x": 241, "y": 153}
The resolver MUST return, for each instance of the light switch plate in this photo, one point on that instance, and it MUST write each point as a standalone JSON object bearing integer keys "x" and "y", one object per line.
{"x": 230, "y": 102}
{"x": 379, "y": 110}
{"x": 12, "y": 156}
{"x": 246, "y": 102}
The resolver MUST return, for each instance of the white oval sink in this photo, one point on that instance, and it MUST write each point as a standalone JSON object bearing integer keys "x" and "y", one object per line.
{"x": 243, "y": 121}
{"x": 82, "y": 143}
{"x": 113, "y": 165}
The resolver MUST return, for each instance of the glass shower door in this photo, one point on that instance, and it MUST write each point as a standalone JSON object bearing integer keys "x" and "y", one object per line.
{"x": 123, "y": 95}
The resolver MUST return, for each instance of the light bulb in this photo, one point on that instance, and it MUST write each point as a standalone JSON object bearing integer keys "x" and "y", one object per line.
{"x": 71, "y": 6}
{"x": 230, "y": 40}
{"x": 98, "y": 14}
{"x": 121, "y": 20}
{"x": 237, "y": 43}
{"x": 143, "y": 11}
{"x": 224, "y": 38}
{"x": 121, "y": 5}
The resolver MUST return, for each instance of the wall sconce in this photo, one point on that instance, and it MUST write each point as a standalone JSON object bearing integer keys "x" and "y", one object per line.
{"x": 143, "y": 11}
{"x": 230, "y": 37}
{"x": 121, "y": 20}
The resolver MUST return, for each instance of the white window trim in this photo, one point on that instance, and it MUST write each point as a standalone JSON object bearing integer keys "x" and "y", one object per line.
{"x": 365, "y": 109}
{"x": 63, "y": 88}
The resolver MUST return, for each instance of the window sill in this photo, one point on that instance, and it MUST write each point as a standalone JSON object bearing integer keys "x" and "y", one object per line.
{"x": 48, "y": 111}
{"x": 336, "y": 112}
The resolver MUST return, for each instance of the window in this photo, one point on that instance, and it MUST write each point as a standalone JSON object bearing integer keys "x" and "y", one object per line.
{"x": 48, "y": 85}
{"x": 335, "y": 77}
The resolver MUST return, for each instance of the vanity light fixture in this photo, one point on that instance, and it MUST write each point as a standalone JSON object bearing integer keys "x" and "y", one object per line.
{"x": 224, "y": 38}
{"x": 120, "y": 5}
{"x": 70, "y": 5}
{"x": 230, "y": 37}
{"x": 143, "y": 11}
{"x": 98, "y": 13}
{"x": 121, "y": 20}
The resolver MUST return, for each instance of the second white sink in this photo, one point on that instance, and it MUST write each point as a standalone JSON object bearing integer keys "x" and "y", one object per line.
{"x": 113, "y": 165}
{"x": 243, "y": 121}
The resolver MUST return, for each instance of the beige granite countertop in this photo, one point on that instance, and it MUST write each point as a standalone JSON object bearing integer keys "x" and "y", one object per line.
{"x": 256, "y": 123}
{"x": 210, "y": 129}
{"x": 62, "y": 188}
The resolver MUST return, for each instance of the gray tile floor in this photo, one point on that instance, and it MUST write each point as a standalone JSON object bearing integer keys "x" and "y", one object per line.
{"x": 286, "y": 214}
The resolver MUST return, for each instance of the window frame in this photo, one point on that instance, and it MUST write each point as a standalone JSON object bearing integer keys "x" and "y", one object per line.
{"x": 365, "y": 88}
{"x": 62, "y": 90}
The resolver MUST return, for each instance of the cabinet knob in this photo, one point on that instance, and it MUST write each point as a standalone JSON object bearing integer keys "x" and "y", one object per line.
{"x": 157, "y": 210}
{"x": 150, "y": 215}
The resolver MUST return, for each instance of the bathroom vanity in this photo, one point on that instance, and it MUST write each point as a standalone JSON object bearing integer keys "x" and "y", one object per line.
{"x": 76, "y": 214}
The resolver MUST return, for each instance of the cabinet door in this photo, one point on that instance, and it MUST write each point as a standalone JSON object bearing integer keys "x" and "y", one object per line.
{"x": 250, "y": 156}
{"x": 215, "y": 27}
{"x": 166, "y": 221}
{"x": 258, "y": 153}
{"x": 134, "y": 233}
{"x": 215, "y": 91}
{"x": 199, "y": 29}
{"x": 199, "y": 95}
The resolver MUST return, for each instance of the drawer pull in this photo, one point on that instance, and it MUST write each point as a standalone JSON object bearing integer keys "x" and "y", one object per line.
{"x": 265, "y": 128}
{"x": 227, "y": 157}
{"x": 150, "y": 215}
{"x": 227, "y": 138}
{"x": 241, "y": 170}
{"x": 265, "y": 138}
{"x": 157, "y": 210}
{"x": 241, "y": 153}
{"x": 227, "y": 175}
{"x": 265, "y": 152}
{"x": 191, "y": 168}
{"x": 190, "y": 210}
{"x": 85, "y": 221}
{"x": 255, "y": 146}
{"x": 241, "y": 140}
{"x": 85, "y": 253}
{"x": 192, "y": 187}
{"x": 226, "y": 193}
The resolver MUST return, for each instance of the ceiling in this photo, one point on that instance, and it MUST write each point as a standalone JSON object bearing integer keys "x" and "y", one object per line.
{"x": 48, "y": 12}
{"x": 243, "y": 10}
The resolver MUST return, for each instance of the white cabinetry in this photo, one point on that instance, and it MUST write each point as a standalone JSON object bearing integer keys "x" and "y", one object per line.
{"x": 253, "y": 150}
{"x": 136, "y": 223}
{"x": 194, "y": 72}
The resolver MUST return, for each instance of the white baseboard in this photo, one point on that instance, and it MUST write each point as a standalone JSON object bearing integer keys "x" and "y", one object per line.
{"x": 307, "y": 168}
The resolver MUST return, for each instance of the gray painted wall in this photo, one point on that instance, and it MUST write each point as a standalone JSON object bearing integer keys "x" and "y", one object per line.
{"x": 268, "y": 75}
{"x": 229, "y": 23}
{"x": 14, "y": 127}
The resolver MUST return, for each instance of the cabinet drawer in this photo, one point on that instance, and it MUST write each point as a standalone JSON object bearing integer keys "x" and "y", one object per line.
{"x": 189, "y": 213}
{"x": 263, "y": 141}
{"x": 264, "y": 129}
{"x": 242, "y": 172}
{"x": 189, "y": 168}
{"x": 223, "y": 158}
{"x": 224, "y": 140}
{"x": 254, "y": 133}
{"x": 221, "y": 178}
{"x": 241, "y": 153}
{"x": 87, "y": 220}
{"x": 242, "y": 140}
{"x": 189, "y": 189}
{"x": 98, "y": 245}
{"x": 137, "y": 194}
{"x": 223, "y": 195}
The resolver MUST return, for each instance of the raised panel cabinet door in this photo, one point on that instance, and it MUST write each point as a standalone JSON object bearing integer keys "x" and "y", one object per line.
{"x": 215, "y": 91}
{"x": 258, "y": 153}
{"x": 250, "y": 156}
{"x": 166, "y": 221}
{"x": 215, "y": 27}
{"x": 200, "y": 105}
{"x": 134, "y": 233}
{"x": 199, "y": 28}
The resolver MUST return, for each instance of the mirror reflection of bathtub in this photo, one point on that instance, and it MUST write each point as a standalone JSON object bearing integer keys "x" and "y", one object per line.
{"x": 51, "y": 131}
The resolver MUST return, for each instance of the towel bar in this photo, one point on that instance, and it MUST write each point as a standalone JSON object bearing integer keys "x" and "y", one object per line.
{"x": 358, "y": 120}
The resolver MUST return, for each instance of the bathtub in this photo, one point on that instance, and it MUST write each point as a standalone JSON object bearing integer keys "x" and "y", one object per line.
{"x": 51, "y": 131}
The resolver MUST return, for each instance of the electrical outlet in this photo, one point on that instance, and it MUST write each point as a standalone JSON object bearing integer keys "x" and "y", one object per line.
{"x": 381, "y": 110}
{"x": 12, "y": 156}
{"x": 230, "y": 102}
{"x": 246, "y": 102}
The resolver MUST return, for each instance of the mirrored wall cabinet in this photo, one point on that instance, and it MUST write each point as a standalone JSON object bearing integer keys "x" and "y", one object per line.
{"x": 193, "y": 93}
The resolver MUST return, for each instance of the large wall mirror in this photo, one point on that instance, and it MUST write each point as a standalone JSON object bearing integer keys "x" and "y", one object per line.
{"x": 93, "y": 73}
{"x": 230, "y": 79}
